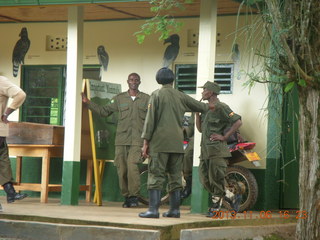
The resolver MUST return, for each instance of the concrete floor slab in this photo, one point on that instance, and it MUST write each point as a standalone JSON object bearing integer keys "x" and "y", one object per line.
{"x": 114, "y": 219}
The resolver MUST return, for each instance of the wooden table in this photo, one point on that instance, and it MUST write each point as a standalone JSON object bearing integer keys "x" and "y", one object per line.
{"x": 45, "y": 152}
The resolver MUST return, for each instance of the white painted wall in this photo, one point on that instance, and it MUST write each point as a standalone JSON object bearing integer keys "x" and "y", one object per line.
{"x": 127, "y": 56}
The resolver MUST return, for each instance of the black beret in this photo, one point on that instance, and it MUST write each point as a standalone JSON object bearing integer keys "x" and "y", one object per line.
{"x": 164, "y": 76}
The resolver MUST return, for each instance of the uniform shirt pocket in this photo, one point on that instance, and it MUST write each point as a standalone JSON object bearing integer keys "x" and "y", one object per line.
{"x": 142, "y": 112}
{"x": 124, "y": 112}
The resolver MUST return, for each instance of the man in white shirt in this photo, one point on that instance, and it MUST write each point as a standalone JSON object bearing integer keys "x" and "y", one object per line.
{"x": 8, "y": 90}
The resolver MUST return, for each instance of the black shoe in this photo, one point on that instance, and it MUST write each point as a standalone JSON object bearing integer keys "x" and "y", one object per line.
{"x": 213, "y": 213}
{"x": 133, "y": 201}
{"x": 214, "y": 210}
{"x": 126, "y": 203}
{"x": 12, "y": 195}
{"x": 187, "y": 189}
{"x": 234, "y": 202}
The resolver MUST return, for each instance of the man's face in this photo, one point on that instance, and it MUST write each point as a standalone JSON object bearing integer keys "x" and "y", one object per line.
{"x": 206, "y": 94}
{"x": 133, "y": 82}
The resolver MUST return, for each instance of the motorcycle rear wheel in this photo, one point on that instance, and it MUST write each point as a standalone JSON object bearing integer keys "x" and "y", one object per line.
{"x": 240, "y": 180}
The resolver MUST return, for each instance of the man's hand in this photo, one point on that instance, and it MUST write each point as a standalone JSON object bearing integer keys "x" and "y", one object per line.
{"x": 4, "y": 118}
{"x": 145, "y": 149}
{"x": 84, "y": 98}
{"x": 217, "y": 137}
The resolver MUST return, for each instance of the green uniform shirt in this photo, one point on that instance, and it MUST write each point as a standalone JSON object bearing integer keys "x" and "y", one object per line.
{"x": 216, "y": 122}
{"x": 132, "y": 114}
{"x": 163, "y": 125}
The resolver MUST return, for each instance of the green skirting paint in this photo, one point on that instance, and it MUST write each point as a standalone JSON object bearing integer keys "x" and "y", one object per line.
{"x": 199, "y": 196}
{"x": 70, "y": 183}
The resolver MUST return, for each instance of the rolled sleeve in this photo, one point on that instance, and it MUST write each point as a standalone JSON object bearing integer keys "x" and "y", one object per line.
{"x": 18, "y": 100}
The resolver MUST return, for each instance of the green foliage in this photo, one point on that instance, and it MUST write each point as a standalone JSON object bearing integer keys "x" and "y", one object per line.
{"x": 289, "y": 86}
{"x": 163, "y": 22}
{"x": 302, "y": 83}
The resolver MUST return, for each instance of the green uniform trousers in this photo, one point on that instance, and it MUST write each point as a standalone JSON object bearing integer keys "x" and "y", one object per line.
{"x": 188, "y": 159}
{"x": 5, "y": 164}
{"x": 126, "y": 160}
{"x": 162, "y": 164}
{"x": 212, "y": 174}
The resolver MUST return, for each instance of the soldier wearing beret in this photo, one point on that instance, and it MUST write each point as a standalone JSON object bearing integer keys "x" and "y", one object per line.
{"x": 214, "y": 150}
{"x": 163, "y": 142}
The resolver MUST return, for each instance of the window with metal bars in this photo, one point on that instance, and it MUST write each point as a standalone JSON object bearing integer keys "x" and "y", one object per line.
{"x": 45, "y": 89}
{"x": 186, "y": 77}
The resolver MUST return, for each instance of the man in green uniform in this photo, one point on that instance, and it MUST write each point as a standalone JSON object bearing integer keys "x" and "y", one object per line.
{"x": 8, "y": 90}
{"x": 214, "y": 150}
{"x": 163, "y": 138}
{"x": 132, "y": 108}
{"x": 188, "y": 157}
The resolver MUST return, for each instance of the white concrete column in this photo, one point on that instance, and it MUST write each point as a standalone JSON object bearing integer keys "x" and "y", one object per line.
{"x": 73, "y": 107}
{"x": 206, "y": 62}
{"x": 206, "y": 56}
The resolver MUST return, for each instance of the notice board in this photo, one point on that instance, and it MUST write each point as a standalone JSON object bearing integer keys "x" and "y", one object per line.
{"x": 102, "y": 130}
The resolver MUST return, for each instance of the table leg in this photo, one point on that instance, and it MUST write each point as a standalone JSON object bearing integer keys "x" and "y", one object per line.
{"x": 18, "y": 169}
{"x": 45, "y": 177}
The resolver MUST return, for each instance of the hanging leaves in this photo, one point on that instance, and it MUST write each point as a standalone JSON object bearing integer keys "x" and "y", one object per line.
{"x": 163, "y": 22}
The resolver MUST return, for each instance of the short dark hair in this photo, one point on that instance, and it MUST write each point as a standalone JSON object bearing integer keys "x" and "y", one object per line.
{"x": 134, "y": 74}
{"x": 164, "y": 76}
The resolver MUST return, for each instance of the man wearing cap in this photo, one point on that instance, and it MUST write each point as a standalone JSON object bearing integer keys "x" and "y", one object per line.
{"x": 163, "y": 142}
{"x": 214, "y": 150}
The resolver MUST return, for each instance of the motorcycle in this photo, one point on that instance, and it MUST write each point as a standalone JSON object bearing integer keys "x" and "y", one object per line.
{"x": 239, "y": 180}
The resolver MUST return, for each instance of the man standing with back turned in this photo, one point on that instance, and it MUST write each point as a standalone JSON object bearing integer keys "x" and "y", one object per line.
{"x": 163, "y": 136}
{"x": 8, "y": 90}
{"x": 132, "y": 108}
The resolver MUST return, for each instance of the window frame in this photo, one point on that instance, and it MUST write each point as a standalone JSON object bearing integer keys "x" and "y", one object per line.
{"x": 191, "y": 87}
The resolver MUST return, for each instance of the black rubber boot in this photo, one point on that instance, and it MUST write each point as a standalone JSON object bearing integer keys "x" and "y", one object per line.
{"x": 154, "y": 204}
{"x": 187, "y": 189}
{"x": 174, "y": 211}
{"x": 12, "y": 195}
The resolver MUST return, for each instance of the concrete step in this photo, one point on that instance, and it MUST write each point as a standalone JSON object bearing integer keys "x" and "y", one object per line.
{"x": 23, "y": 230}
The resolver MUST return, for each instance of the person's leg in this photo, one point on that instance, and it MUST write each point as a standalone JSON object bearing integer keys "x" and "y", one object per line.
{"x": 5, "y": 164}
{"x": 120, "y": 161}
{"x": 133, "y": 174}
{"x": 204, "y": 174}
{"x": 217, "y": 172}
{"x": 6, "y": 174}
{"x": 174, "y": 168}
{"x": 156, "y": 178}
{"x": 187, "y": 170}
